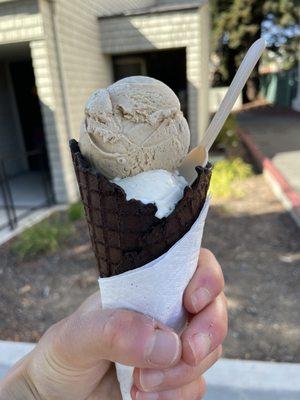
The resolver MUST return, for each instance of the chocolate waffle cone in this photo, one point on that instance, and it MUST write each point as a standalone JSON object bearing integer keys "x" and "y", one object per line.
{"x": 126, "y": 234}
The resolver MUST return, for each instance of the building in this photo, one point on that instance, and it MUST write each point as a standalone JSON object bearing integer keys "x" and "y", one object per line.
{"x": 54, "y": 53}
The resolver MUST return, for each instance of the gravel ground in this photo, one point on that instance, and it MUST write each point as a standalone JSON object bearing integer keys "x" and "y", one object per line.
{"x": 255, "y": 241}
{"x": 258, "y": 246}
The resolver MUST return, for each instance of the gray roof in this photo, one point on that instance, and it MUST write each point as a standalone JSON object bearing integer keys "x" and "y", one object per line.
{"x": 159, "y": 8}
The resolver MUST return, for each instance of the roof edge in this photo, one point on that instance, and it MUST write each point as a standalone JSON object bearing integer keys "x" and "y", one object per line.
{"x": 164, "y": 8}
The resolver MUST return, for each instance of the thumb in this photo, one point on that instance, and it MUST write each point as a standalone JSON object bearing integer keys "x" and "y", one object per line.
{"x": 91, "y": 334}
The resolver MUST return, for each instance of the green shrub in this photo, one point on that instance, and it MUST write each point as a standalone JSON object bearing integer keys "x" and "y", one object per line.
{"x": 226, "y": 176}
{"x": 75, "y": 211}
{"x": 44, "y": 237}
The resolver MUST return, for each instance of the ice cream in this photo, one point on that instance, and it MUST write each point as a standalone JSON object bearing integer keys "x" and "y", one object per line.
{"x": 134, "y": 125}
{"x": 133, "y": 139}
{"x": 127, "y": 234}
{"x": 145, "y": 221}
{"x": 160, "y": 187}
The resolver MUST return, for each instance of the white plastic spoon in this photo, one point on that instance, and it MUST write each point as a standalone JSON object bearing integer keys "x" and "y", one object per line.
{"x": 199, "y": 155}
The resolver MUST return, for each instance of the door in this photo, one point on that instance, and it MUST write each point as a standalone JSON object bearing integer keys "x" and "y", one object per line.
{"x": 30, "y": 116}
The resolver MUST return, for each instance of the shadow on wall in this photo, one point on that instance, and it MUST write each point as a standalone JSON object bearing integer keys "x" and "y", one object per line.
{"x": 168, "y": 66}
{"x": 120, "y": 38}
{"x": 12, "y": 10}
{"x": 39, "y": 182}
{"x": 25, "y": 182}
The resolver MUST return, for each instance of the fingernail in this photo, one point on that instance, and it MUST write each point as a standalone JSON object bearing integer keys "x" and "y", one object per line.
{"x": 200, "y": 346}
{"x": 146, "y": 396}
{"x": 163, "y": 349}
{"x": 201, "y": 298}
{"x": 151, "y": 379}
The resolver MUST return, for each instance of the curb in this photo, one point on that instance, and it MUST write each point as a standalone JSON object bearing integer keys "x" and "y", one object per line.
{"x": 254, "y": 380}
{"x": 33, "y": 218}
{"x": 281, "y": 188}
{"x": 232, "y": 379}
{"x": 12, "y": 352}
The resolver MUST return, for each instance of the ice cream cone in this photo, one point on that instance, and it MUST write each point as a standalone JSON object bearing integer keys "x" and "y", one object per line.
{"x": 126, "y": 234}
{"x": 156, "y": 289}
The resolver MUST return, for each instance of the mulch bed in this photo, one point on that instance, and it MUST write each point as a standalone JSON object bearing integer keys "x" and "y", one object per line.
{"x": 255, "y": 241}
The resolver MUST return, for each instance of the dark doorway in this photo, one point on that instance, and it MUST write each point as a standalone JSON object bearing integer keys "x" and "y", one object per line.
{"x": 169, "y": 66}
{"x": 30, "y": 116}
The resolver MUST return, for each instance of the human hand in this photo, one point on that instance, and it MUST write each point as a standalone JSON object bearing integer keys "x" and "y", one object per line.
{"x": 73, "y": 360}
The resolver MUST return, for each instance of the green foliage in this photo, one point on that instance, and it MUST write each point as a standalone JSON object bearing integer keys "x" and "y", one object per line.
{"x": 46, "y": 236}
{"x": 76, "y": 211}
{"x": 228, "y": 135}
{"x": 43, "y": 238}
{"x": 226, "y": 176}
{"x": 238, "y": 23}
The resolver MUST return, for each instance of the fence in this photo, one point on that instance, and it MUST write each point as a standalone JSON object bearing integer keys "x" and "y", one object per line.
{"x": 25, "y": 192}
{"x": 280, "y": 87}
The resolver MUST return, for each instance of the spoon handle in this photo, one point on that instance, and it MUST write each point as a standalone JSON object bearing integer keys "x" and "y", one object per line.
{"x": 237, "y": 84}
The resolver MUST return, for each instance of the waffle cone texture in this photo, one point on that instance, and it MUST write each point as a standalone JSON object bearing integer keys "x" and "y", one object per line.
{"x": 126, "y": 234}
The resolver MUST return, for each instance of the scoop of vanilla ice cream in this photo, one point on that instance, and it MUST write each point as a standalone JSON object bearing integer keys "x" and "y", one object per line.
{"x": 134, "y": 125}
{"x": 160, "y": 187}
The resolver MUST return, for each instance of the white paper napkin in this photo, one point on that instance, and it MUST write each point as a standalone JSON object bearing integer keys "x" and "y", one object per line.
{"x": 156, "y": 289}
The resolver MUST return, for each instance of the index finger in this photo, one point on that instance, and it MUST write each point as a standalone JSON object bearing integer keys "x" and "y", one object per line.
{"x": 206, "y": 284}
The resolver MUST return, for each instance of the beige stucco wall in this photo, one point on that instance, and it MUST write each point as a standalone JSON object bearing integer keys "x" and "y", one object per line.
{"x": 69, "y": 61}
{"x": 202, "y": 71}
{"x": 77, "y": 67}
{"x": 20, "y": 21}
{"x": 72, "y": 32}
{"x": 84, "y": 67}
{"x": 189, "y": 29}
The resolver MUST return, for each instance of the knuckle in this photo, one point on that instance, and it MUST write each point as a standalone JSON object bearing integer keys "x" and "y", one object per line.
{"x": 223, "y": 298}
{"x": 217, "y": 283}
{"x": 221, "y": 304}
{"x": 114, "y": 328}
{"x": 219, "y": 351}
{"x": 188, "y": 374}
{"x": 194, "y": 390}
{"x": 206, "y": 252}
{"x": 216, "y": 276}
{"x": 202, "y": 385}
{"x": 56, "y": 335}
{"x": 123, "y": 328}
{"x": 219, "y": 323}
{"x": 224, "y": 307}
{"x": 219, "y": 278}
{"x": 182, "y": 375}
{"x": 223, "y": 320}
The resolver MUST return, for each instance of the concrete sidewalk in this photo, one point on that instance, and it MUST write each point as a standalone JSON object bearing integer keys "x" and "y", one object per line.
{"x": 253, "y": 380}
{"x": 276, "y": 132}
{"x": 226, "y": 380}
{"x": 272, "y": 136}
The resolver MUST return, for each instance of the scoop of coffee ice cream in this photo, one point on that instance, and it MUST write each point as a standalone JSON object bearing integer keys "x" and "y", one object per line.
{"x": 134, "y": 125}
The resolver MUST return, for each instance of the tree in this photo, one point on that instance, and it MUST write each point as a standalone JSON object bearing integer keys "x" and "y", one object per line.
{"x": 238, "y": 23}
